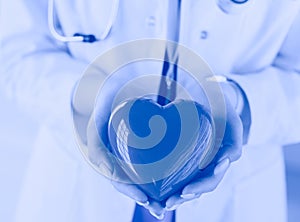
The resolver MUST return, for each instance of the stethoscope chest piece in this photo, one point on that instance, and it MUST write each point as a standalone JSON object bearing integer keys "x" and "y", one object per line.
{"x": 234, "y": 6}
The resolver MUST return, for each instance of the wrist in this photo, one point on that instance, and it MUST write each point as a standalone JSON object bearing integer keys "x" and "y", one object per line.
{"x": 231, "y": 91}
{"x": 234, "y": 95}
{"x": 238, "y": 99}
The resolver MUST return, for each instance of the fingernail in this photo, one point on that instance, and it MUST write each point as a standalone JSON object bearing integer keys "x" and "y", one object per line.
{"x": 174, "y": 207}
{"x": 188, "y": 196}
{"x": 143, "y": 204}
{"x": 221, "y": 159}
{"x": 159, "y": 217}
{"x": 222, "y": 166}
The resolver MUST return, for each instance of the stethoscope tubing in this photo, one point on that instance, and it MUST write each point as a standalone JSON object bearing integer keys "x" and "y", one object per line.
{"x": 90, "y": 38}
{"x": 78, "y": 37}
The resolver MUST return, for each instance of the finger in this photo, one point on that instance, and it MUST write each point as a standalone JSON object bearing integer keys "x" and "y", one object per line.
{"x": 158, "y": 217}
{"x": 98, "y": 154}
{"x": 231, "y": 152}
{"x": 233, "y": 138}
{"x": 207, "y": 183}
{"x": 156, "y": 209}
{"x": 132, "y": 191}
{"x": 175, "y": 201}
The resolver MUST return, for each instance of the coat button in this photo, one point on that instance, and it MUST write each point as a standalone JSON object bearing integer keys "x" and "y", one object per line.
{"x": 203, "y": 35}
{"x": 151, "y": 20}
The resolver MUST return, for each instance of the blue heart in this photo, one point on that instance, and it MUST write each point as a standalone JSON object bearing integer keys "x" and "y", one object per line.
{"x": 160, "y": 147}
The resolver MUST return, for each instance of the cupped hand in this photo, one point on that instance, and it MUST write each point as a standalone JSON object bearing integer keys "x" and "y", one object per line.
{"x": 99, "y": 148}
{"x": 101, "y": 158}
{"x": 209, "y": 178}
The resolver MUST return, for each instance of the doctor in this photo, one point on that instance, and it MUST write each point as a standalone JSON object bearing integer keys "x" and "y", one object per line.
{"x": 254, "y": 43}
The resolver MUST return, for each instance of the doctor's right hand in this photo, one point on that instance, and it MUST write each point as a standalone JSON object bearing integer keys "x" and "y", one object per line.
{"x": 98, "y": 148}
{"x": 100, "y": 157}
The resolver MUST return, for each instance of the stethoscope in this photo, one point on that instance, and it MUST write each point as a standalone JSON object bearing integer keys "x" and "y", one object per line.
{"x": 228, "y": 6}
{"x": 80, "y": 37}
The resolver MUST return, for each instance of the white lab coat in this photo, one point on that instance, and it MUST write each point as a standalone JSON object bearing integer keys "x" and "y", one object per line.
{"x": 258, "y": 46}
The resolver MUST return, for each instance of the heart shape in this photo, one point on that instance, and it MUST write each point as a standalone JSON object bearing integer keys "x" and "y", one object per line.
{"x": 160, "y": 147}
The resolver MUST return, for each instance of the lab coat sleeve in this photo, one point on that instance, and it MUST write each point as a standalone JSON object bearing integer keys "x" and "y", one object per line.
{"x": 274, "y": 95}
{"x": 36, "y": 70}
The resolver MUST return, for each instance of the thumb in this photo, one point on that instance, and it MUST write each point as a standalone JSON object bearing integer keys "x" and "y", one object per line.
{"x": 98, "y": 153}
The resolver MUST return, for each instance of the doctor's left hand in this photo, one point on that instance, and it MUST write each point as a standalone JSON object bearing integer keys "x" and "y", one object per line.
{"x": 210, "y": 177}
